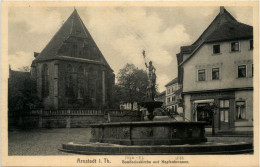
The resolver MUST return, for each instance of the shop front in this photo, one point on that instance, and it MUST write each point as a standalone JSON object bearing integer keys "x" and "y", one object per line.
{"x": 220, "y": 105}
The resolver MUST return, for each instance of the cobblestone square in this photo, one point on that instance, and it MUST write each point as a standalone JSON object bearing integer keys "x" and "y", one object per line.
{"x": 48, "y": 141}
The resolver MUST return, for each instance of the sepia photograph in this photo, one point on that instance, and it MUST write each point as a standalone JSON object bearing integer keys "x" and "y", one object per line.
{"x": 98, "y": 82}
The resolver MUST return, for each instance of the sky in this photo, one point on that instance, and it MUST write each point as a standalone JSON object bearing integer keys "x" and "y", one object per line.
{"x": 121, "y": 33}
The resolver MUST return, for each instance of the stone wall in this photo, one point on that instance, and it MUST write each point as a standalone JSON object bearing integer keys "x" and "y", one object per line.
{"x": 124, "y": 115}
{"x": 57, "y": 118}
{"x": 76, "y": 118}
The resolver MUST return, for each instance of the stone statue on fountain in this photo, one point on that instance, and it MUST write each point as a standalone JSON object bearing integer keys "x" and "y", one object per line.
{"x": 150, "y": 92}
{"x": 149, "y": 102}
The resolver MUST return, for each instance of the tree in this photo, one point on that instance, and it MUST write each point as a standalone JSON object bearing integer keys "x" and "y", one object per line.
{"x": 132, "y": 84}
{"x": 22, "y": 92}
{"x": 24, "y": 69}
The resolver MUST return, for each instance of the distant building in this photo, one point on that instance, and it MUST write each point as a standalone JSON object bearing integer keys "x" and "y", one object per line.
{"x": 71, "y": 71}
{"x": 160, "y": 97}
{"x": 128, "y": 106}
{"x": 173, "y": 96}
{"x": 217, "y": 69}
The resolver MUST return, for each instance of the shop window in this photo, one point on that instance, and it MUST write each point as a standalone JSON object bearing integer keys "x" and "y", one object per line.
{"x": 216, "y": 49}
{"x": 234, "y": 46}
{"x": 204, "y": 113}
{"x": 240, "y": 110}
{"x": 224, "y": 110}
{"x": 251, "y": 44}
{"x": 242, "y": 71}
{"x": 202, "y": 75}
{"x": 215, "y": 73}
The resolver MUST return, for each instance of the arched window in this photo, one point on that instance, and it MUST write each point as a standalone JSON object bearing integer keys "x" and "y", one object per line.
{"x": 80, "y": 82}
{"x": 74, "y": 50}
{"x": 69, "y": 88}
{"x": 45, "y": 81}
{"x": 92, "y": 82}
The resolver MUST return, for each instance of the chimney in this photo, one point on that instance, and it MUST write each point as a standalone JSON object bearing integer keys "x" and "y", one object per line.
{"x": 222, "y": 10}
{"x": 36, "y": 54}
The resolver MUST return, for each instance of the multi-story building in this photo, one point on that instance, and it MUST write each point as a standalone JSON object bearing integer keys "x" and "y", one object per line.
{"x": 217, "y": 70}
{"x": 71, "y": 71}
{"x": 173, "y": 96}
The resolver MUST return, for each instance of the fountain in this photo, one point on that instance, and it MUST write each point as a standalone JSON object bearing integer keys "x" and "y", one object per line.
{"x": 149, "y": 102}
{"x": 149, "y": 137}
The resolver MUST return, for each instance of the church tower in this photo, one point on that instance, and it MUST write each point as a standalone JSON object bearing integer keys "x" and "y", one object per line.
{"x": 71, "y": 71}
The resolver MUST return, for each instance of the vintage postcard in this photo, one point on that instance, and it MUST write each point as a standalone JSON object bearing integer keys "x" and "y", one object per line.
{"x": 91, "y": 83}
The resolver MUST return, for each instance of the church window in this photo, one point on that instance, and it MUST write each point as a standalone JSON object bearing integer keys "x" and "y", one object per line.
{"x": 80, "y": 82}
{"x": 69, "y": 90}
{"x": 45, "y": 81}
{"x": 74, "y": 50}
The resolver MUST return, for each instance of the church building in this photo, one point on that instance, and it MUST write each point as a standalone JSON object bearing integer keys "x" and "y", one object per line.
{"x": 71, "y": 71}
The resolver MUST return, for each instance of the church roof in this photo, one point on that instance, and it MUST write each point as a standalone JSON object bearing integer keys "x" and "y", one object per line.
{"x": 223, "y": 27}
{"x": 72, "y": 27}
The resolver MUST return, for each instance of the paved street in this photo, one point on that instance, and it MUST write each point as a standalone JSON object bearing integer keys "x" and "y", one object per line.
{"x": 44, "y": 141}
{"x": 47, "y": 141}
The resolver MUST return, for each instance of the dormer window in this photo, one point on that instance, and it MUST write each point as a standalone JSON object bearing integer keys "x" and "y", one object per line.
{"x": 216, "y": 49}
{"x": 234, "y": 46}
{"x": 251, "y": 44}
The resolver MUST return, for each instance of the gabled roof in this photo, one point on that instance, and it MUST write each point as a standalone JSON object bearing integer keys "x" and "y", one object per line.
{"x": 72, "y": 27}
{"x": 175, "y": 80}
{"x": 223, "y": 28}
{"x": 231, "y": 31}
{"x": 223, "y": 18}
{"x": 161, "y": 94}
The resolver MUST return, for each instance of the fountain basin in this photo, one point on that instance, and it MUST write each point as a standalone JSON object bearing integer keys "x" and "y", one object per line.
{"x": 206, "y": 148}
{"x": 149, "y": 133}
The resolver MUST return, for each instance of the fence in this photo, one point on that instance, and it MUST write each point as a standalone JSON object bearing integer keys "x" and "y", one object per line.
{"x": 70, "y": 118}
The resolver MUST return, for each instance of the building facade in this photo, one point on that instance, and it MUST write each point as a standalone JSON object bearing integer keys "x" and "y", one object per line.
{"x": 173, "y": 96}
{"x": 161, "y": 97}
{"x": 217, "y": 70}
{"x": 71, "y": 71}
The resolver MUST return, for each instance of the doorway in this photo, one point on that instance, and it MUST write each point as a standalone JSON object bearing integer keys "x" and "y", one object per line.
{"x": 224, "y": 114}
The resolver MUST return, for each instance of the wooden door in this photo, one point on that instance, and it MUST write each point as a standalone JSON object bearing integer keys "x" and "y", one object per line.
{"x": 224, "y": 114}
